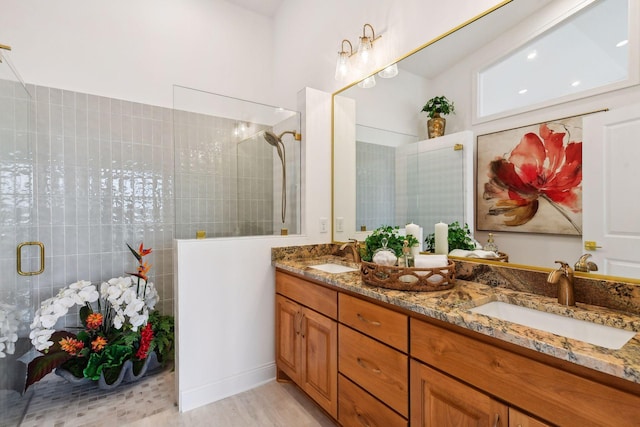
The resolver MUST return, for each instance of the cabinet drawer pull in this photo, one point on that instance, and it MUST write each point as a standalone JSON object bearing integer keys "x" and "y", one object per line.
{"x": 365, "y": 320}
{"x": 496, "y": 423}
{"x": 363, "y": 363}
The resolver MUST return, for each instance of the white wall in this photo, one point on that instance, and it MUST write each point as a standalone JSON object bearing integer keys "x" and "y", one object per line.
{"x": 136, "y": 50}
{"x": 225, "y": 291}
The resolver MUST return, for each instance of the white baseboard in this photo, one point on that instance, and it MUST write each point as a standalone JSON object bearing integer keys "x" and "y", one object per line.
{"x": 209, "y": 393}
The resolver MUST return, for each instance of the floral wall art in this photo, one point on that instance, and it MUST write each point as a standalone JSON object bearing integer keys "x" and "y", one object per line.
{"x": 529, "y": 179}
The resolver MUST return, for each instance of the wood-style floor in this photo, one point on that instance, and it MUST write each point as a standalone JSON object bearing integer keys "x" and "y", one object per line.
{"x": 53, "y": 402}
{"x": 270, "y": 405}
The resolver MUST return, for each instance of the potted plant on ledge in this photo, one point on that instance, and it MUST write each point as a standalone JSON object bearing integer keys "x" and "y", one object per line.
{"x": 435, "y": 107}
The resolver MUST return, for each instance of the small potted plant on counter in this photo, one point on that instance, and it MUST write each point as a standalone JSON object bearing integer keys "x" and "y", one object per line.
{"x": 435, "y": 107}
{"x": 459, "y": 237}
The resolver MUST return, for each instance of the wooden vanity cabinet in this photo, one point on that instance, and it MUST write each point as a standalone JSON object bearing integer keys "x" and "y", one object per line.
{"x": 549, "y": 392}
{"x": 307, "y": 338}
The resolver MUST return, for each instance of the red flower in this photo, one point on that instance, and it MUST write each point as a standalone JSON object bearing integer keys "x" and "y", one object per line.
{"x": 143, "y": 269}
{"x": 94, "y": 321}
{"x": 71, "y": 345}
{"x": 143, "y": 252}
{"x": 99, "y": 343}
{"x": 538, "y": 167}
{"x": 146, "y": 335}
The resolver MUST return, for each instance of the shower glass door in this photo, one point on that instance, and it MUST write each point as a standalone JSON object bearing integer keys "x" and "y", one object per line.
{"x": 16, "y": 215}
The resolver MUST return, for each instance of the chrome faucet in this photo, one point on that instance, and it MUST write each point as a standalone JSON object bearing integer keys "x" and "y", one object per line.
{"x": 354, "y": 247}
{"x": 584, "y": 265}
{"x": 563, "y": 277}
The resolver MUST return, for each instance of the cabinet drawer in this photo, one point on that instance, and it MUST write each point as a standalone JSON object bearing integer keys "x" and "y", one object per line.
{"x": 318, "y": 298}
{"x": 377, "y": 368}
{"x": 551, "y": 393}
{"x": 356, "y": 407}
{"x": 378, "y": 322}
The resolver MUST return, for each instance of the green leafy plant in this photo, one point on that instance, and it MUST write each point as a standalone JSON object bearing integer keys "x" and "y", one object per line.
{"x": 459, "y": 237}
{"x": 438, "y": 105}
{"x": 394, "y": 241}
{"x": 163, "y": 336}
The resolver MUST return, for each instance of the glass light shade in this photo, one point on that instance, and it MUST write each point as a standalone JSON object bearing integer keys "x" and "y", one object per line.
{"x": 365, "y": 52}
{"x": 368, "y": 82}
{"x": 342, "y": 66}
{"x": 389, "y": 72}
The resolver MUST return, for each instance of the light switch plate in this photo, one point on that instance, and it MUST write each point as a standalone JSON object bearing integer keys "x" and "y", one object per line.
{"x": 324, "y": 225}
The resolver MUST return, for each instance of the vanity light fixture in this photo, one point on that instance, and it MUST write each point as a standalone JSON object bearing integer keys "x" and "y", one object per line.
{"x": 363, "y": 57}
{"x": 342, "y": 67}
{"x": 365, "y": 47}
{"x": 576, "y": 83}
{"x": 532, "y": 55}
{"x": 522, "y": 91}
{"x": 622, "y": 43}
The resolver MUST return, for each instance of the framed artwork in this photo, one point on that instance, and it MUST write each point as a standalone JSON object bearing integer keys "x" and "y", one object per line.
{"x": 529, "y": 179}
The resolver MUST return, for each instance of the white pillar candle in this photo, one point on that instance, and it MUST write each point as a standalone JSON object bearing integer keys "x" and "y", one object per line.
{"x": 442, "y": 238}
{"x": 415, "y": 231}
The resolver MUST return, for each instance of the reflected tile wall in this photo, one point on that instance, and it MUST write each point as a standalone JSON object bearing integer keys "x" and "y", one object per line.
{"x": 375, "y": 191}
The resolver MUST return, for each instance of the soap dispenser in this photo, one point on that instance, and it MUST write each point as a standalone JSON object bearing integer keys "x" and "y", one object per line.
{"x": 491, "y": 246}
{"x": 407, "y": 255}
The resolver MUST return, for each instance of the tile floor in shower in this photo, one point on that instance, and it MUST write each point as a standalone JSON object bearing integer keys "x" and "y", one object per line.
{"x": 53, "y": 402}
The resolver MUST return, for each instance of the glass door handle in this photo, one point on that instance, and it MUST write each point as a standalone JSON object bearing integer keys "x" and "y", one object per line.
{"x": 19, "y": 258}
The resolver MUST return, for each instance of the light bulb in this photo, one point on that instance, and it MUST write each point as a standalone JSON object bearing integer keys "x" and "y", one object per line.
{"x": 364, "y": 52}
{"x": 342, "y": 66}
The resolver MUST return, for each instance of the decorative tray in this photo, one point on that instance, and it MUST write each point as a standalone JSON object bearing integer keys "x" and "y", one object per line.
{"x": 408, "y": 278}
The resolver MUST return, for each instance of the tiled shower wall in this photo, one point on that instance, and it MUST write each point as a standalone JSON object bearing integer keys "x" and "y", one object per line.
{"x": 375, "y": 185}
{"x": 224, "y": 180}
{"x": 104, "y": 173}
{"x": 104, "y": 176}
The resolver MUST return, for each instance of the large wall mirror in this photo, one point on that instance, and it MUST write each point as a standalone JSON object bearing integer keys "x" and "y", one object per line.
{"x": 382, "y": 175}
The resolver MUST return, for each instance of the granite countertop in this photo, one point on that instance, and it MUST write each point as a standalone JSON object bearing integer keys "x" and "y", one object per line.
{"x": 453, "y": 306}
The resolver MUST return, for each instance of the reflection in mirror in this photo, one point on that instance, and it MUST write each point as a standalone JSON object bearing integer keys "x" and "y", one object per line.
{"x": 587, "y": 51}
{"x": 376, "y": 175}
{"x": 449, "y": 67}
{"x": 244, "y": 160}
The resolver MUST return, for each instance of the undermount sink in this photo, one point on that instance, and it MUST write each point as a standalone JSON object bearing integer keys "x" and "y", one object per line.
{"x": 334, "y": 268}
{"x": 604, "y": 336}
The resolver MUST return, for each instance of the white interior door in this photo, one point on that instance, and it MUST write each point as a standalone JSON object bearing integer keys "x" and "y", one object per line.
{"x": 611, "y": 202}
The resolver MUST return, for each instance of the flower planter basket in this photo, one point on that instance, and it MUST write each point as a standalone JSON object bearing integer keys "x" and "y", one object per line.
{"x": 126, "y": 374}
{"x": 408, "y": 278}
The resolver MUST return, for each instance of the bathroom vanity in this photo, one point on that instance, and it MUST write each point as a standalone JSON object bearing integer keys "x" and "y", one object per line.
{"x": 376, "y": 357}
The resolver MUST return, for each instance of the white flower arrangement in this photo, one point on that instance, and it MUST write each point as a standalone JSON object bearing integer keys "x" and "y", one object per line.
{"x": 125, "y": 303}
{"x": 8, "y": 329}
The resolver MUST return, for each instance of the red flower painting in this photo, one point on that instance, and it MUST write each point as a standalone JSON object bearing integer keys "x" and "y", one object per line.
{"x": 544, "y": 166}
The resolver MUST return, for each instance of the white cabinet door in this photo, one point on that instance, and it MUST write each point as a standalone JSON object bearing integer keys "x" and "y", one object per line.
{"x": 611, "y": 190}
